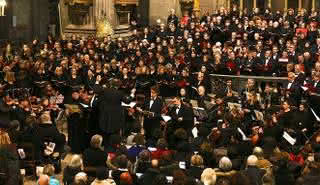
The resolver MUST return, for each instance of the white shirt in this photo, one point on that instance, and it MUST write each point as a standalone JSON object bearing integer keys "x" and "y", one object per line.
{"x": 151, "y": 103}
{"x": 315, "y": 84}
{"x": 289, "y": 85}
{"x": 177, "y": 110}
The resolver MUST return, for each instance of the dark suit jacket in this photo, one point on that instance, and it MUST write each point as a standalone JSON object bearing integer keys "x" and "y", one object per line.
{"x": 111, "y": 113}
{"x": 295, "y": 92}
{"x": 187, "y": 115}
{"x": 50, "y": 131}
{"x": 94, "y": 157}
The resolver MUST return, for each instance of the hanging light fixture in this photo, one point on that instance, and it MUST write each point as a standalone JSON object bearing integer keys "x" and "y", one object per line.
{"x": 3, "y": 4}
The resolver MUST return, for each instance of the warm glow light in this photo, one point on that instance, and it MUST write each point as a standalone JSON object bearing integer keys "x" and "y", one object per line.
{"x": 3, "y": 3}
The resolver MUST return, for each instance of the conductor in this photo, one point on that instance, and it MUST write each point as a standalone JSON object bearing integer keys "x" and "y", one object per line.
{"x": 111, "y": 116}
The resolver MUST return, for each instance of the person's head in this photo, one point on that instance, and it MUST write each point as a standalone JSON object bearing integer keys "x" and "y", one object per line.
{"x": 101, "y": 173}
{"x": 76, "y": 162}
{"x": 225, "y": 164}
{"x": 4, "y": 138}
{"x": 177, "y": 101}
{"x": 139, "y": 139}
{"x": 202, "y": 90}
{"x": 43, "y": 180}
{"x": 96, "y": 141}
{"x": 9, "y": 77}
{"x": 126, "y": 179}
{"x": 208, "y": 177}
{"x": 258, "y": 152}
{"x": 252, "y": 160}
{"x": 196, "y": 160}
{"x": 81, "y": 178}
{"x": 251, "y": 83}
{"x": 122, "y": 161}
{"x": 286, "y": 105}
{"x": 48, "y": 170}
{"x": 154, "y": 92}
{"x": 45, "y": 118}
{"x": 291, "y": 77}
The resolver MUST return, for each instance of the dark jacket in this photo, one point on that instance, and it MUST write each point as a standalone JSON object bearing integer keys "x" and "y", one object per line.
{"x": 94, "y": 157}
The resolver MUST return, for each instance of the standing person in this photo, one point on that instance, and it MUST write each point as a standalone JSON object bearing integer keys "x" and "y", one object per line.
{"x": 111, "y": 113}
{"x": 154, "y": 105}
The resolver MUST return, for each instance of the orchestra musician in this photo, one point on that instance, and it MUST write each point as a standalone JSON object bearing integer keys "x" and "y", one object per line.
{"x": 154, "y": 106}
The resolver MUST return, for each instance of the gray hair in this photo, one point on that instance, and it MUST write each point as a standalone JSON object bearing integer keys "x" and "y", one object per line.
{"x": 225, "y": 164}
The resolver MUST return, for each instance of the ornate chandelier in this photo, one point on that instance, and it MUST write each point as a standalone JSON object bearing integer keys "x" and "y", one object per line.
{"x": 3, "y": 4}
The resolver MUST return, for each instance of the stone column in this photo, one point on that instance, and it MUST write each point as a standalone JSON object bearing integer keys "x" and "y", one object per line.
{"x": 300, "y": 4}
{"x": 285, "y": 4}
{"x": 269, "y": 3}
{"x": 196, "y": 7}
{"x": 313, "y": 4}
{"x": 241, "y": 4}
{"x": 254, "y": 3}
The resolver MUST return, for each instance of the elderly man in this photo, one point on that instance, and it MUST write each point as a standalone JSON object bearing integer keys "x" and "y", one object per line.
{"x": 253, "y": 172}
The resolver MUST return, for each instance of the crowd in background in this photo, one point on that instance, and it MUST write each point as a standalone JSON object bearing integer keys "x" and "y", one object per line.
{"x": 262, "y": 134}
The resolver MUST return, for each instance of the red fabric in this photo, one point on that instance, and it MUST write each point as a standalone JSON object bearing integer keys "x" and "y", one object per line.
{"x": 296, "y": 158}
{"x": 185, "y": 20}
{"x": 160, "y": 152}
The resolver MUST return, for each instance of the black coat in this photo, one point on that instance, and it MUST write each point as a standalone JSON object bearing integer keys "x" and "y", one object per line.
{"x": 49, "y": 131}
{"x": 152, "y": 123}
{"x": 111, "y": 113}
{"x": 94, "y": 157}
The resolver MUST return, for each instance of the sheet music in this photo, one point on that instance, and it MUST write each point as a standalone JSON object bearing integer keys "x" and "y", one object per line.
{"x": 304, "y": 88}
{"x": 84, "y": 105}
{"x": 166, "y": 118}
{"x": 290, "y": 139}
{"x": 244, "y": 137}
{"x": 131, "y": 105}
{"x": 315, "y": 115}
{"x": 195, "y": 132}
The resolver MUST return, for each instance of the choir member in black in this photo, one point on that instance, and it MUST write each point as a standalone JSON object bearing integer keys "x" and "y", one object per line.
{"x": 74, "y": 78}
{"x": 110, "y": 111}
{"x": 153, "y": 105}
{"x": 173, "y": 18}
{"x": 6, "y": 111}
{"x": 229, "y": 93}
{"x": 127, "y": 82}
{"x": 202, "y": 97}
{"x": 293, "y": 89}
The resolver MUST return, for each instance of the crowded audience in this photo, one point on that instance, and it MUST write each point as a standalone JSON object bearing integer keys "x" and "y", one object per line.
{"x": 146, "y": 110}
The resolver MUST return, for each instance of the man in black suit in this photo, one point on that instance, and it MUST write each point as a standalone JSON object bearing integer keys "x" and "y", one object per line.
{"x": 153, "y": 105}
{"x": 110, "y": 112}
{"x": 293, "y": 89}
{"x": 182, "y": 115}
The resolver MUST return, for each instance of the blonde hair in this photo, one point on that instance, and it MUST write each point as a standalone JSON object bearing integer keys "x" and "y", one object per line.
{"x": 48, "y": 170}
{"x": 4, "y": 138}
{"x": 208, "y": 176}
{"x": 96, "y": 141}
{"x": 9, "y": 77}
{"x": 76, "y": 161}
{"x": 196, "y": 160}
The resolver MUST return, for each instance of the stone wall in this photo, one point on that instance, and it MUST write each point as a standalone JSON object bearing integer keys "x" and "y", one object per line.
{"x": 159, "y": 9}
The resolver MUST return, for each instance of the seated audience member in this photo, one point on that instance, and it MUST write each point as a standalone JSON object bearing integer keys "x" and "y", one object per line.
{"x": 122, "y": 166}
{"x": 143, "y": 162}
{"x": 254, "y": 173}
{"x": 137, "y": 147}
{"x": 44, "y": 180}
{"x": 196, "y": 167}
{"x": 126, "y": 179}
{"x": 160, "y": 149}
{"x": 80, "y": 178}
{"x": 95, "y": 156}
{"x": 49, "y": 170}
{"x": 9, "y": 161}
{"x": 75, "y": 166}
{"x": 262, "y": 162}
{"x": 149, "y": 175}
{"x": 47, "y": 130}
{"x": 102, "y": 177}
{"x": 225, "y": 168}
{"x": 208, "y": 176}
